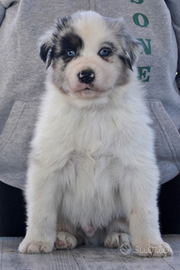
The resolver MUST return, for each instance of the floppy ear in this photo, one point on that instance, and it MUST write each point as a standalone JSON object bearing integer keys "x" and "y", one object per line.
{"x": 48, "y": 42}
{"x": 131, "y": 49}
{"x": 46, "y": 48}
{"x": 130, "y": 46}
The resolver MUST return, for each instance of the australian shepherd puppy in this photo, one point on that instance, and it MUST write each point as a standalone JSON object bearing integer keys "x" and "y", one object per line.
{"x": 92, "y": 176}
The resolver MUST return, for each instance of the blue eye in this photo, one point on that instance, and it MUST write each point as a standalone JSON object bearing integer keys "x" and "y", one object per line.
{"x": 105, "y": 52}
{"x": 71, "y": 53}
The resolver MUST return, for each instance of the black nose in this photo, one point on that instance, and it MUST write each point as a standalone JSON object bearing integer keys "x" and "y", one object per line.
{"x": 86, "y": 76}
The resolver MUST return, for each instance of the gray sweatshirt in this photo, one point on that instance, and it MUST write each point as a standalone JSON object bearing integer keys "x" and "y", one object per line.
{"x": 155, "y": 23}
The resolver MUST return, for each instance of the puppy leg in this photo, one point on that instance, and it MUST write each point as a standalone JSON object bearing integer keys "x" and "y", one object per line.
{"x": 43, "y": 197}
{"x": 140, "y": 201}
{"x": 115, "y": 238}
{"x": 67, "y": 235}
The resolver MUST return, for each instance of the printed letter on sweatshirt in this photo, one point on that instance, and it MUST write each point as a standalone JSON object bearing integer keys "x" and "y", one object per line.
{"x": 140, "y": 20}
{"x": 146, "y": 46}
{"x": 137, "y": 1}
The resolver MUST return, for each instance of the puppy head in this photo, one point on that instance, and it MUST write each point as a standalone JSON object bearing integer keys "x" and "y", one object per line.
{"x": 88, "y": 54}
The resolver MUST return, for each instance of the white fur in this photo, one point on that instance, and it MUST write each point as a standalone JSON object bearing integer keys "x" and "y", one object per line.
{"x": 92, "y": 169}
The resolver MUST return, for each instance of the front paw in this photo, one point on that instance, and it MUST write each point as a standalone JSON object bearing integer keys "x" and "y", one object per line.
{"x": 65, "y": 240}
{"x": 161, "y": 249}
{"x": 33, "y": 246}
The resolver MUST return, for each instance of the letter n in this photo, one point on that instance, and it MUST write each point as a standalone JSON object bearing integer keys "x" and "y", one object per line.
{"x": 146, "y": 46}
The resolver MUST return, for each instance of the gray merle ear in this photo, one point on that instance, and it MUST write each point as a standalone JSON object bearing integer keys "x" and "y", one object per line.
{"x": 130, "y": 47}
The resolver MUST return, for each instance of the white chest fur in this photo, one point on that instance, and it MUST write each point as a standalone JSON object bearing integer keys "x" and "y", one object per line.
{"x": 89, "y": 150}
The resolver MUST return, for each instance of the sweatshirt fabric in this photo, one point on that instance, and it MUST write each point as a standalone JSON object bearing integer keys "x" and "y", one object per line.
{"x": 22, "y": 73}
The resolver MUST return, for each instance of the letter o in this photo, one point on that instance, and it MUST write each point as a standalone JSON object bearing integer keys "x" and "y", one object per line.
{"x": 140, "y": 20}
{"x": 137, "y": 2}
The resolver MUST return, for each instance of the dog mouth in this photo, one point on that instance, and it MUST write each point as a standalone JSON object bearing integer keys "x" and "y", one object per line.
{"x": 89, "y": 88}
{"x": 92, "y": 89}
{"x": 89, "y": 92}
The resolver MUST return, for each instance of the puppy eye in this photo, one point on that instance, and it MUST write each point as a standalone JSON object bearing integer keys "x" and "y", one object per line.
{"x": 105, "y": 52}
{"x": 71, "y": 53}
